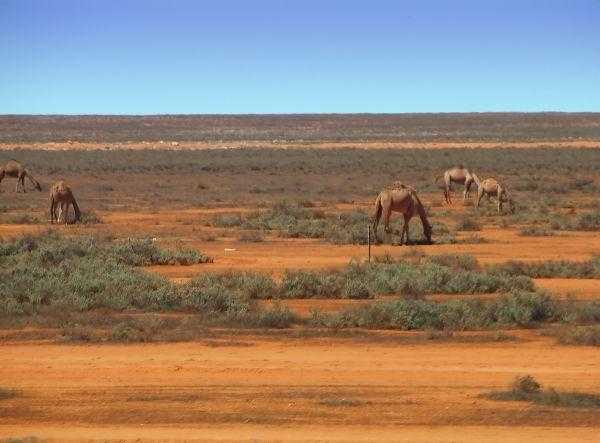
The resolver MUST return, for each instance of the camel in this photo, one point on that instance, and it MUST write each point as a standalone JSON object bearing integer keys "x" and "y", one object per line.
{"x": 404, "y": 200}
{"x": 15, "y": 169}
{"x": 461, "y": 175}
{"x": 491, "y": 187}
{"x": 61, "y": 195}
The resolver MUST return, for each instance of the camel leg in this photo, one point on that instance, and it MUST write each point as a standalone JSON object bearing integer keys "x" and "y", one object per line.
{"x": 52, "y": 211}
{"x": 467, "y": 191}
{"x": 500, "y": 197}
{"x": 405, "y": 229}
{"x": 21, "y": 182}
{"x": 479, "y": 197}
{"x": 387, "y": 212}
{"x": 66, "y": 212}
{"x": 376, "y": 226}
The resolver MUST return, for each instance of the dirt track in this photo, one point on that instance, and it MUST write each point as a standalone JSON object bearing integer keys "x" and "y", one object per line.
{"x": 387, "y": 387}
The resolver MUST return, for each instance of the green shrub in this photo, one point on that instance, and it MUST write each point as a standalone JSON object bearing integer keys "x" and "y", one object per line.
{"x": 467, "y": 223}
{"x": 549, "y": 269}
{"x": 251, "y": 236}
{"x": 227, "y": 220}
{"x": 580, "y": 335}
{"x": 144, "y": 252}
{"x": 303, "y": 284}
{"x": 535, "y": 231}
{"x": 523, "y": 308}
{"x": 526, "y": 388}
{"x": 519, "y": 308}
{"x": 81, "y": 274}
{"x": 589, "y": 221}
{"x": 278, "y": 317}
{"x": 90, "y": 218}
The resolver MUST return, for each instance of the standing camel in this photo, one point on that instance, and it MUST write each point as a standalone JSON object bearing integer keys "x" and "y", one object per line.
{"x": 403, "y": 200}
{"x": 491, "y": 187}
{"x": 461, "y": 175}
{"x": 16, "y": 170}
{"x": 61, "y": 195}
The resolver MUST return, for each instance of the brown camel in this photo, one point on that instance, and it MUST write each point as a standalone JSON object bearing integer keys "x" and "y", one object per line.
{"x": 491, "y": 187}
{"x": 61, "y": 195}
{"x": 16, "y": 170}
{"x": 461, "y": 175}
{"x": 404, "y": 200}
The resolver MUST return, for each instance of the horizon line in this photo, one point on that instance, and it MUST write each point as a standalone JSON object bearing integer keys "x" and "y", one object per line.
{"x": 271, "y": 114}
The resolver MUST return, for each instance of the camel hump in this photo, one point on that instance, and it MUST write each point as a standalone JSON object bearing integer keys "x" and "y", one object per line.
{"x": 399, "y": 186}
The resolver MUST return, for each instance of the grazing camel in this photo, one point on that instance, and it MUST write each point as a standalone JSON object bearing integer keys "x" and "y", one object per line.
{"x": 15, "y": 169}
{"x": 61, "y": 195}
{"x": 404, "y": 200}
{"x": 461, "y": 175}
{"x": 491, "y": 187}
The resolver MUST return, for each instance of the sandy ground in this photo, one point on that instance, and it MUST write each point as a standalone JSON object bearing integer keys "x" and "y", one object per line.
{"x": 380, "y": 388}
{"x": 191, "y": 145}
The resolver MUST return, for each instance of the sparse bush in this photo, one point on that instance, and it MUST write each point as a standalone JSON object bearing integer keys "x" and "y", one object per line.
{"x": 468, "y": 223}
{"x": 580, "y": 335}
{"x": 5, "y": 393}
{"x": 535, "y": 231}
{"x": 526, "y": 388}
{"x": 550, "y": 268}
{"x": 526, "y": 385}
{"x": 228, "y": 220}
{"x": 251, "y": 236}
{"x": 90, "y": 218}
{"x": 589, "y": 221}
{"x": 278, "y": 317}
{"x": 302, "y": 284}
{"x": 144, "y": 252}
{"x": 20, "y": 219}
{"x": 516, "y": 309}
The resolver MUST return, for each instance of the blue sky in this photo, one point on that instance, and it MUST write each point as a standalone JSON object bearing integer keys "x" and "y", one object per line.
{"x": 244, "y": 56}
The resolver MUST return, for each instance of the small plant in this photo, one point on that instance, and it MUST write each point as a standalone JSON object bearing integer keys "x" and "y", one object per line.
{"x": 580, "y": 335}
{"x": 228, "y": 220}
{"x": 535, "y": 231}
{"x": 278, "y": 317}
{"x": 526, "y": 388}
{"x": 523, "y": 385}
{"x": 251, "y": 236}
{"x": 341, "y": 402}
{"x": 5, "y": 393}
{"x": 590, "y": 221}
{"x": 90, "y": 218}
{"x": 468, "y": 223}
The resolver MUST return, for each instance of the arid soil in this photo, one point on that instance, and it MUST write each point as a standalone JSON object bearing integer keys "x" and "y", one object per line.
{"x": 384, "y": 387}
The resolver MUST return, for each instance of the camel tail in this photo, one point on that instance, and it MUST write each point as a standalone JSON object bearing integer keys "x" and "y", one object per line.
{"x": 477, "y": 181}
{"x": 77, "y": 211}
{"x": 437, "y": 179}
